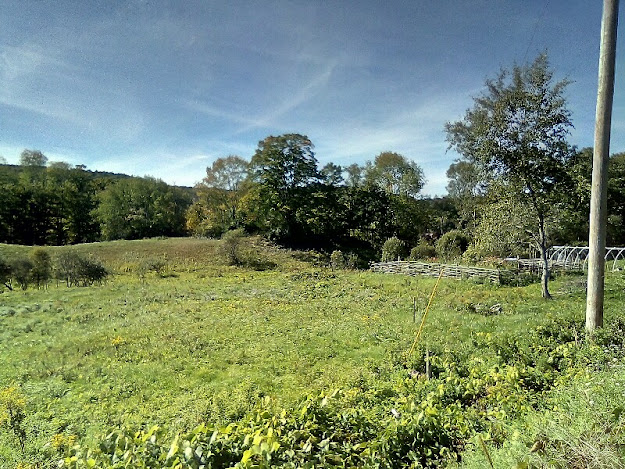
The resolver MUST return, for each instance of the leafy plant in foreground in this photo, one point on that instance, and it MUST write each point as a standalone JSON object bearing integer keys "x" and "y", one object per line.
{"x": 13, "y": 413}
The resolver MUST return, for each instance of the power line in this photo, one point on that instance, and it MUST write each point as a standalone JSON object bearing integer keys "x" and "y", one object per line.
{"x": 538, "y": 21}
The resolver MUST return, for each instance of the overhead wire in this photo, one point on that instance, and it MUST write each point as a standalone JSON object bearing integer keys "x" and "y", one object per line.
{"x": 535, "y": 30}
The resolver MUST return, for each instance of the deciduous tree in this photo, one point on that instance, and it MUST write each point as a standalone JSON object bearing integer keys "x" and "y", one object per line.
{"x": 284, "y": 167}
{"x": 517, "y": 131}
{"x": 355, "y": 175}
{"x": 332, "y": 174}
{"x": 218, "y": 197}
{"x": 136, "y": 208}
{"x": 33, "y": 158}
{"x": 396, "y": 175}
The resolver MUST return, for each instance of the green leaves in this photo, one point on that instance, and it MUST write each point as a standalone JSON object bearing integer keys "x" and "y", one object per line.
{"x": 395, "y": 174}
{"x": 137, "y": 208}
{"x": 516, "y": 135}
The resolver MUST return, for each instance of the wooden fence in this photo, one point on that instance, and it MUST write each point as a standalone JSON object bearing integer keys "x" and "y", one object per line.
{"x": 434, "y": 270}
{"x": 536, "y": 265}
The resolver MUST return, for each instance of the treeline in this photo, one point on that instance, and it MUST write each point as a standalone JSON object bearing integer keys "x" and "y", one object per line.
{"x": 282, "y": 193}
{"x": 376, "y": 209}
{"x": 57, "y": 204}
{"x": 501, "y": 225}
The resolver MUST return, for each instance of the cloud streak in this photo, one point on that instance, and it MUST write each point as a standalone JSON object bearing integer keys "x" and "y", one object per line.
{"x": 289, "y": 103}
{"x": 24, "y": 71}
{"x": 165, "y": 87}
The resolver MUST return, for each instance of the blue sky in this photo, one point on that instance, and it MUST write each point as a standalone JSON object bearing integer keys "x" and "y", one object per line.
{"x": 163, "y": 88}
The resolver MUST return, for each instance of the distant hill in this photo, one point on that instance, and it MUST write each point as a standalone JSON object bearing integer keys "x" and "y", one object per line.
{"x": 11, "y": 171}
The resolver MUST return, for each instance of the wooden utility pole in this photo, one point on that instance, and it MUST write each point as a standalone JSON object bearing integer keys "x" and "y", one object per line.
{"x": 601, "y": 155}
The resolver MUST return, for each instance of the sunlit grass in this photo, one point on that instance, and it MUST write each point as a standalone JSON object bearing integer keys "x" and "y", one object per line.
{"x": 207, "y": 341}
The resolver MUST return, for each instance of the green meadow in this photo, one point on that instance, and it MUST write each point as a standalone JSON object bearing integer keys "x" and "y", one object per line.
{"x": 283, "y": 361}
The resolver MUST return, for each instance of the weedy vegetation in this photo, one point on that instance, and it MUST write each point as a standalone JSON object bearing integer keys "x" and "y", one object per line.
{"x": 233, "y": 353}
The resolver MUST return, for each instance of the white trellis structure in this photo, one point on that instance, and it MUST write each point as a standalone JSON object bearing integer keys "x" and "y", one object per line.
{"x": 576, "y": 257}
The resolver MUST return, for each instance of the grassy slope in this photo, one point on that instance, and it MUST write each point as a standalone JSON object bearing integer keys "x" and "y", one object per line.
{"x": 209, "y": 340}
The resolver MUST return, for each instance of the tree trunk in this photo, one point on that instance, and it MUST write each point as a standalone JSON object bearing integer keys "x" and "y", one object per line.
{"x": 544, "y": 281}
{"x": 542, "y": 246}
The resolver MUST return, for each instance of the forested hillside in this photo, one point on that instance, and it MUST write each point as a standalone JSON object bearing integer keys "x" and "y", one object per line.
{"x": 58, "y": 204}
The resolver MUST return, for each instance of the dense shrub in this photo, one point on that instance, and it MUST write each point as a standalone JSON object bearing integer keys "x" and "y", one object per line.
{"x": 5, "y": 274}
{"x": 76, "y": 270}
{"x": 452, "y": 245}
{"x": 423, "y": 250}
{"x": 472, "y": 255}
{"x": 21, "y": 268}
{"x": 92, "y": 272}
{"x": 41, "y": 272}
{"x": 232, "y": 242}
{"x": 327, "y": 430}
{"x": 518, "y": 279}
{"x": 352, "y": 261}
{"x": 337, "y": 260}
{"x": 393, "y": 249}
{"x": 67, "y": 267}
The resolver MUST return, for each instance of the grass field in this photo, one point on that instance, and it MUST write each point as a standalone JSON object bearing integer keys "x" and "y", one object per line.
{"x": 208, "y": 342}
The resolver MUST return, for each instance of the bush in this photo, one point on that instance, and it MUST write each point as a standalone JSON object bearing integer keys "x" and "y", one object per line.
{"x": 231, "y": 246}
{"x": 41, "y": 272}
{"x": 472, "y": 255}
{"x": 151, "y": 264}
{"x": 76, "y": 270}
{"x": 352, "y": 261}
{"x": 327, "y": 430}
{"x": 393, "y": 249}
{"x": 21, "y": 268}
{"x": 422, "y": 251}
{"x": 92, "y": 272}
{"x": 66, "y": 267}
{"x": 452, "y": 245}
{"x": 518, "y": 279}
{"x": 5, "y": 274}
{"x": 337, "y": 260}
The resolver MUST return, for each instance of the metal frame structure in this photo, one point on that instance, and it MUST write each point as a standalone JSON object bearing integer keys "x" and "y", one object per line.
{"x": 577, "y": 256}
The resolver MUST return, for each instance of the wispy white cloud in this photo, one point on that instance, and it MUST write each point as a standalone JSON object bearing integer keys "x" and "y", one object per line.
{"x": 46, "y": 80}
{"x": 165, "y": 87}
{"x": 25, "y": 72}
{"x": 288, "y": 103}
{"x": 271, "y": 117}
{"x": 417, "y": 130}
{"x": 219, "y": 113}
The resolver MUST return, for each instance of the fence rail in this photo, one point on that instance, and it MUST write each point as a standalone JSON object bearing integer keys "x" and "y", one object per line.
{"x": 434, "y": 270}
{"x": 536, "y": 265}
